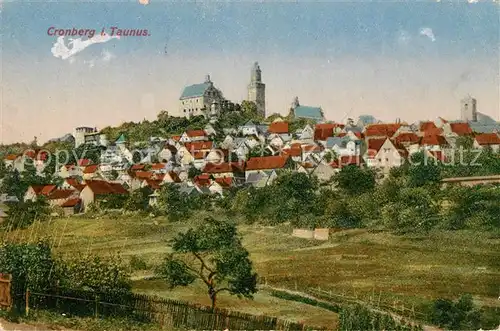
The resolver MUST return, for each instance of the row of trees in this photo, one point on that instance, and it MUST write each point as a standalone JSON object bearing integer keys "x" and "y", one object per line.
{"x": 411, "y": 198}
{"x": 34, "y": 267}
{"x": 360, "y": 318}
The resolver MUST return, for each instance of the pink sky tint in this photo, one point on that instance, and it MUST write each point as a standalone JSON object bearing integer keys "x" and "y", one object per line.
{"x": 50, "y": 98}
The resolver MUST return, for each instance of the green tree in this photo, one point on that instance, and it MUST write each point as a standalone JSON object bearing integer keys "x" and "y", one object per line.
{"x": 459, "y": 315}
{"x": 214, "y": 254}
{"x": 296, "y": 192}
{"x": 193, "y": 172}
{"x": 415, "y": 210}
{"x": 93, "y": 273}
{"x": 354, "y": 180}
{"x": 23, "y": 214}
{"x": 423, "y": 170}
{"x": 173, "y": 203}
{"x": 138, "y": 199}
{"x": 30, "y": 265}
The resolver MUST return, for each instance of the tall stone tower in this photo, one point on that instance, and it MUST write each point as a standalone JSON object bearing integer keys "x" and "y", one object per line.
{"x": 468, "y": 109}
{"x": 257, "y": 90}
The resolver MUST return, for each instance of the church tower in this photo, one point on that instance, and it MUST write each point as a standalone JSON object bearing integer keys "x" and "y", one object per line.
{"x": 468, "y": 109}
{"x": 257, "y": 90}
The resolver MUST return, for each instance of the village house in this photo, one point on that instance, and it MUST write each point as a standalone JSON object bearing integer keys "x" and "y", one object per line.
{"x": 59, "y": 196}
{"x": 258, "y": 164}
{"x": 34, "y": 191}
{"x": 91, "y": 172}
{"x": 98, "y": 189}
{"x": 71, "y": 206}
{"x": 70, "y": 170}
{"x": 193, "y": 135}
{"x": 384, "y": 154}
{"x": 491, "y": 140}
{"x": 380, "y": 131}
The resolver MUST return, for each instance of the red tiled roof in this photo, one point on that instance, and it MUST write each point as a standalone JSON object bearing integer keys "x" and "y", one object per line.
{"x": 47, "y": 189}
{"x": 386, "y": 130}
{"x": 329, "y": 126}
{"x": 176, "y": 138}
{"x": 312, "y": 148}
{"x": 198, "y": 145}
{"x": 11, "y": 157}
{"x": 345, "y": 161}
{"x": 433, "y": 140}
{"x": 84, "y": 162}
{"x": 488, "y": 139}
{"x": 407, "y": 137}
{"x": 143, "y": 174}
{"x": 278, "y": 127}
{"x": 202, "y": 180}
{"x": 213, "y": 168}
{"x": 158, "y": 166}
{"x": 293, "y": 151}
{"x": 307, "y": 165}
{"x": 461, "y": 129}
{"x": 43, "y": 189}
{"x": 71, "y": 202}
{"x": 426, "y": 126}
{"x": 72, "y": 181}
{"x": 137, "y": 167}
{"x": 60, "y": 194}
{"x": 325, "y": 130}
{"x": 195, "y": 133}
{"x": 374, "y": 146}
{"x": 266, "y": 162}
{"x": 39, "y": 154}
{"x": 225, "y": 182}
{"x": 90, "y": 169}
{"x": 433, "y": 132}
{"x": 198, "y": 155}
{"x": 175, "y": 177}
{"x": 103, "y": 187}
{"x": 154, "y": 184}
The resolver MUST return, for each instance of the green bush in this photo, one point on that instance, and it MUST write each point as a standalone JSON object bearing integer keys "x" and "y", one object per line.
{"x": 138, "y": 263}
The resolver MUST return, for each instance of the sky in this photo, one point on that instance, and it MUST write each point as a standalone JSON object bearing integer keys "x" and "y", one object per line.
{"x": 391, "y": 59}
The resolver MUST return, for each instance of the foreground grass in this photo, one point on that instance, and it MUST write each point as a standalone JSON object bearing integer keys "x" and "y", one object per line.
{"x": 409, "y": 270}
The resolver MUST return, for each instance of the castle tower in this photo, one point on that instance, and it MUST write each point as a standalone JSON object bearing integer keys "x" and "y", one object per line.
{"x": 257, "y": 90}
{"x": 468, "y": 109}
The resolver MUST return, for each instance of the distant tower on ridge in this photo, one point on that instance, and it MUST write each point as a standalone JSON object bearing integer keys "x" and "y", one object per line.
{"x": 257, "y": 90}
{"x": 468, "y": 109}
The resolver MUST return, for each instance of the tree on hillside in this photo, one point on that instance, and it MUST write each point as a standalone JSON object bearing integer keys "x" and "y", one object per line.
{"x": 354, "y": 180}
{"x": 296, "y": 192}
{"x": 23, "y": 214}
{"x": 460, "y": 315}
{"x": 212, "y": 253}
{"x": 173, "y": 203}
{"x": 30, "y": 265}
{"x": 423, "y": 170}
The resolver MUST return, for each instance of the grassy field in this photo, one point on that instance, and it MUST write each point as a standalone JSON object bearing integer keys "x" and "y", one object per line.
{"x": 368, "y": 265}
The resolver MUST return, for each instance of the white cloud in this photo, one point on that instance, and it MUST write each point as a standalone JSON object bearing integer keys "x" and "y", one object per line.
{"x": 107, "y": 56}
{"x": 60, "y": 50}
{"x": 472, "y": 1}
{"x": 428, "y": 33}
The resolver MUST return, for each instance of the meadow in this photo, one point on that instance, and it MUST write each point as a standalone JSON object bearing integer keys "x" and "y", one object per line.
{"x": 375, "y": 266}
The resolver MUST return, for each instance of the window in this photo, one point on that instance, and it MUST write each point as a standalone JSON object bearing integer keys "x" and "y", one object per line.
{"x": 386, "y": 160}
{"x": 184, "y": 110}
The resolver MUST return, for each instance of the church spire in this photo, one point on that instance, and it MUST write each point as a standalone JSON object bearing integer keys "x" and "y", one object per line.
{"x": 256, "y": 76}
